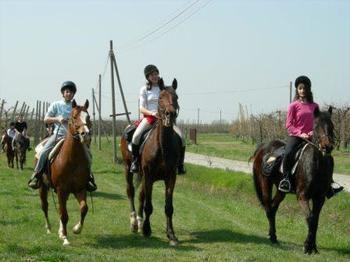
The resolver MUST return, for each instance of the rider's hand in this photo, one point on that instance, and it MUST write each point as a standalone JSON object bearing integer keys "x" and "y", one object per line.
{"x": 305, "y": 136}
{"x": 61, "y": 119}
{"x": 155, "y": 114}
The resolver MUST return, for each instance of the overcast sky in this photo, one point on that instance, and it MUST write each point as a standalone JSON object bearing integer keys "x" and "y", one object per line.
{"x": 221, "y": 52}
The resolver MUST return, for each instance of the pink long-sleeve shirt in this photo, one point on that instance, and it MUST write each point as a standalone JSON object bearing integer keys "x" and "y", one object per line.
{"x": 300, "y": 118}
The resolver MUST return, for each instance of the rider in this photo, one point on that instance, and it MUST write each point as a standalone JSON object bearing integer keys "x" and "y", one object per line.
{"x": 11, "y": 132}
{"x": 149, "y": 95}
{"x": 299, "y": 124}
{"x": 57, "y": 114}
{"x": 21, "y": 128}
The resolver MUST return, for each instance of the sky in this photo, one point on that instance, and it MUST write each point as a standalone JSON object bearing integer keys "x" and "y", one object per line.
{"x": 222, "y": 52}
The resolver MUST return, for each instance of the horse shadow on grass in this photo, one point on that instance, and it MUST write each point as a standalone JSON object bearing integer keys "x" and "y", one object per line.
{"x": 106, "y": 195}
{"x": 136, "y": 240}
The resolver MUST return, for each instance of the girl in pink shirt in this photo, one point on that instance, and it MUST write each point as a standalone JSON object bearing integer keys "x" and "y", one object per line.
{"x": 299, "y": 124}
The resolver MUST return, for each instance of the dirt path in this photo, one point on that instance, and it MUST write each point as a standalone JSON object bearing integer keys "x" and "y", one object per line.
{"x": 234, "y": 165}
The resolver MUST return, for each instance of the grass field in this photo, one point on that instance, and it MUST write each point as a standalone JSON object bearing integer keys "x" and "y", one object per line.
{"x": 217, "y": 218}
{"x": 226, "y": 146}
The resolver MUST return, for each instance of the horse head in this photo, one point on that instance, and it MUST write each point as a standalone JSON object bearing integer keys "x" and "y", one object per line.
{"x": 323, "y": 133}
{"x": 168, "y": 106}
{"x": 79, "y": 124}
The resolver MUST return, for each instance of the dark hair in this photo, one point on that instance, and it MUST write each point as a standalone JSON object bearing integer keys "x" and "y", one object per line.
{"x": 307, "y": 84}
{"x": 12, "y": 123}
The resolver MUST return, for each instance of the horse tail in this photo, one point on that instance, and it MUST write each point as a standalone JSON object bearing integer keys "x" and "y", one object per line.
{"x": 256, "y": 174}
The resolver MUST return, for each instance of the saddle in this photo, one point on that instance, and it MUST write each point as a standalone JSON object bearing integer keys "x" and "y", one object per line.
{"x": 53, "y": 152}
{"x": 129, "y": 132}
{"x": 272, "y": 161}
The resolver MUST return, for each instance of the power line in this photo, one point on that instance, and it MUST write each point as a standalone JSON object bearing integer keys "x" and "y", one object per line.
{"x": 234, "y": 91}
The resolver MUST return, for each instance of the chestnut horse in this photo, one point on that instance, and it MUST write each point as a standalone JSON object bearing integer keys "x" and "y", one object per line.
{"x": 70, "y": 170}
{"x": 311, "y": 181}
{"x": 10, "y": 153}
{"x": 158, "y": 161}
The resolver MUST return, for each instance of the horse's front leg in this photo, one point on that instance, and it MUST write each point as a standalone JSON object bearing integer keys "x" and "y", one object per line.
{"x": 147, "y": 231}
{"x": 62, "y": 201}
{"x": 16, "y": 157}
{"x": 169, "y": 209}
{"x": 312, "y": 221}
{"x": 141, "y": 208}
{"x": 44, "y": 206}
{"x": 309, "y": 244}
{"x": 81, "y": 197}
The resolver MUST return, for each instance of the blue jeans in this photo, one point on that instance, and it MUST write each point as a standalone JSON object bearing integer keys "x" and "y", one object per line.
{"x": 45, "y": 152}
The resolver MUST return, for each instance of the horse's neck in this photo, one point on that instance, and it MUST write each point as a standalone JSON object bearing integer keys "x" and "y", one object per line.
{"x": 165, "y": 137}
{"x": 71, "y": 146}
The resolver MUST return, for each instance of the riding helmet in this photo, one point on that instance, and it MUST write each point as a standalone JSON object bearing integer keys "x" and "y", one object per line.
{"x": 68, "y": 85}
{"x": 303, "y": 80}
{"x": 149, "y": 69}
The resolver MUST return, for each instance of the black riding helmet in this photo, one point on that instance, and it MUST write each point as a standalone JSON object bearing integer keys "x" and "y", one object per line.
{"x": 303, "y": 80}
{"x": 149, "y": 69}
{"x": 68, "y": 85}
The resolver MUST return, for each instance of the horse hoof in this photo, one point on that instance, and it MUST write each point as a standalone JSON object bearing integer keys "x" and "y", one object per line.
{"x": 173, "y": 243}
{"x": 77, "y": 229}
{"x": 66, "y": 242}
{"x": 134, "y": 228}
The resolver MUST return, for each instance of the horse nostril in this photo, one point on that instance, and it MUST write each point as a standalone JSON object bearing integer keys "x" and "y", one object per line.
{"x": 83, "y": 133}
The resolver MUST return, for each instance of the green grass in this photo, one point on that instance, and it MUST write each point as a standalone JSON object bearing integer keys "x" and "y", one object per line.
{"x": 216, "y": 218}
{"x": 226, "y": 146}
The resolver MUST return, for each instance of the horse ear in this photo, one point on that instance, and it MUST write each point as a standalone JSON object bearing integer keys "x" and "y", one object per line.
{"x": 330, "y": 110}
{"x": 161, "y": 84}
{"x": 316, "y": 112}
{"x": 74, "y": 104}
{"x": 86, "y": 105}
{"x": 174, "y": 83}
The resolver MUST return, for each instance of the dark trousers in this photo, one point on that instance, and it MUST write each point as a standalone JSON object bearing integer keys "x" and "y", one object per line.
{"x": 291, "y": 147}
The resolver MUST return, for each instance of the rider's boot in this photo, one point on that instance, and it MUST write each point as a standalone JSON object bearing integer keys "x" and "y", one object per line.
{"x": 135, "y": 159}
{"x": 181, "y": 168}
{"x": 34, "y": 181}
{"x": 91, "y": 184}
{"x": 334, "y": 189}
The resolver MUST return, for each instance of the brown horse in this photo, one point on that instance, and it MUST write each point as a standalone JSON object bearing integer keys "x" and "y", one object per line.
{"x": 10, "y": 153}
{"x": 311, "y": 180}
{"x": 20, "y": 147}
{"x": 70, "y": 170}
{"x": 158, "y": 161}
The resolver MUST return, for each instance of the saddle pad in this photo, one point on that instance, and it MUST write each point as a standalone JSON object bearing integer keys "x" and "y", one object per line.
{"x": 39, "y": 147}
{"x": 56, "y": 149}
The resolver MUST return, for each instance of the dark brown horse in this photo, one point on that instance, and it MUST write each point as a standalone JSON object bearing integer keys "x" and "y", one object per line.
{"x": 70, "y": 170}
{"x": 158, "y": 161}
{"x": 10, "y": 153}
{"x": 312, "y": 178}
{"x": 20, "y": 147}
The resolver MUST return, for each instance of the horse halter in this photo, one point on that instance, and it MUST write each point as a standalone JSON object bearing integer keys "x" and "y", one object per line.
{"x": 82, "y": 129}
{"x": 167, "y": 117}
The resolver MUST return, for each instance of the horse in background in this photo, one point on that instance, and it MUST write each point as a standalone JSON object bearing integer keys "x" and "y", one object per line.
{"x": 69, "y": 172}
{"x": 311, "y": 181}
{"x": 20, "y": 146}
{"x": 10, "y": 152}
{"x": 158, "y": 161}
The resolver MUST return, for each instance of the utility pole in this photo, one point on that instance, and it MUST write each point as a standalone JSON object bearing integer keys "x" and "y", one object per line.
{"x": 93, "y": 115}
{"x": 99, "y": 112}
{"x": 198, "y": 116}
{"x": 113, "y": 104}
{"x": 290, "y": 91}
{"x": 220, "y": 116}
{"x": 120, "y": 87}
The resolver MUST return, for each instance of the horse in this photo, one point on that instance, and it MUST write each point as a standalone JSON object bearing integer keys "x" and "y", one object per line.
{"x": 158, "y": 161}
{"x": 10, "y": 153}
{"x": 311, "y": 181}
{"x": 20, "y": 145}
{"x": 70, "y": 170}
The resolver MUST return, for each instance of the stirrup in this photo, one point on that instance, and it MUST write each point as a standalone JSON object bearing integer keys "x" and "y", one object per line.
{"x": 34, "y": 183}
{"x": 284, "y": 185}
